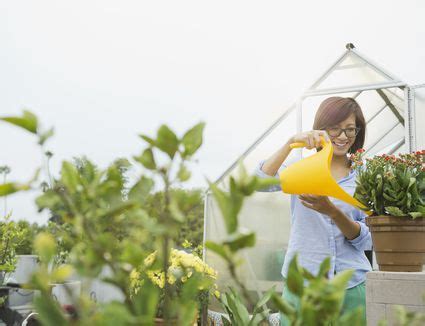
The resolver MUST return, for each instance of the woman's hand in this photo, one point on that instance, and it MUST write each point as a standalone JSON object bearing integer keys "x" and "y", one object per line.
{"x": 311, "y": 138}
{"x": 321, "y": 204}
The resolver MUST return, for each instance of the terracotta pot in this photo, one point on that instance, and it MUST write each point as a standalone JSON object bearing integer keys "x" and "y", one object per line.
{"x": 399, "y": 242}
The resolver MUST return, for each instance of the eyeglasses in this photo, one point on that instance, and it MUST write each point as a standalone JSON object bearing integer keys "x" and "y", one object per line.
{"x": 349, "y": 132}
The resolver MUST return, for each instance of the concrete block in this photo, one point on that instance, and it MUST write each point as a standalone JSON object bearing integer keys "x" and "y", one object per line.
{"x": 398, "y": 292}
{"x": 374, "y": 313}
{"x": 385, "y": 290}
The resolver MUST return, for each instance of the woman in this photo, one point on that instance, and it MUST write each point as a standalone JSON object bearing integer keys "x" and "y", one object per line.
{"x": 322, "y": 226}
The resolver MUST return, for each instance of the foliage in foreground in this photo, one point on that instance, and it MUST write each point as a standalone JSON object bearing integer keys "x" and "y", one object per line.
{"x": 111, "y": 228}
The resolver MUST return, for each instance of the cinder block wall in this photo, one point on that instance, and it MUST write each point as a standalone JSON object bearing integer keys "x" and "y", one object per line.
{"x": 384, "y": 290}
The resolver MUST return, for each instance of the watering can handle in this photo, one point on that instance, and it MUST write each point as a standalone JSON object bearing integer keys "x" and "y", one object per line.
{"x": 302, "y": 144}
{"x": 297, "y": 145}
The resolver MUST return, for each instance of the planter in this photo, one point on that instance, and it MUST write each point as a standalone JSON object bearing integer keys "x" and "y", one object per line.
{"x": 66, "y": 293}
{"x": 399, "y": 242}
{"x": 25, "y": 266}
{"x": 100, "y": 291}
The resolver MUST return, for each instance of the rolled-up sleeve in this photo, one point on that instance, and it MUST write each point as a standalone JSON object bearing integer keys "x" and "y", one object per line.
{"x": 260, "y": 173}
{"x": 364, "y": 240}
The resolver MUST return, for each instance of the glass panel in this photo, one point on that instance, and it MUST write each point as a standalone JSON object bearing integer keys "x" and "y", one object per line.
{"x": 352, "y": 71}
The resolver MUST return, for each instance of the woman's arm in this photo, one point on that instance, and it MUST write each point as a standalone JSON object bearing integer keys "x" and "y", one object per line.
{"x": 356, "y": 232}
{"x": 311, "y": 140}
{"x": 348, "y": 227}
{"x": 322, "y": 204}
{"x": 272, "y": 165}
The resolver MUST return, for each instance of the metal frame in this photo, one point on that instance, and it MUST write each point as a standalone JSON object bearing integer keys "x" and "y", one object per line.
{"x": 409, "y": 118}
{"x": 351, "y": 89}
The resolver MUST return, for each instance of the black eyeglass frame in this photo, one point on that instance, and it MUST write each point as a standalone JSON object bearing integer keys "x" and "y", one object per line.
{"x": 343, "y": 130}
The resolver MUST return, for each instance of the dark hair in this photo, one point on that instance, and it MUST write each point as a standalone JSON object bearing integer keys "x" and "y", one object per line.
{"x": 334, "y": 110}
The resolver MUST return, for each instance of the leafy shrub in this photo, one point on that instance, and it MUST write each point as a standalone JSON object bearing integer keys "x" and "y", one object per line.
{"x": 390, "y": 185}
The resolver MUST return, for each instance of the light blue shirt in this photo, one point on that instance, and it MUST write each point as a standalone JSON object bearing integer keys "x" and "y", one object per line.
{"x": 314, "y": 236}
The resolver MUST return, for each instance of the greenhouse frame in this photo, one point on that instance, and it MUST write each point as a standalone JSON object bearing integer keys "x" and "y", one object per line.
{"x": 395, "y": 115}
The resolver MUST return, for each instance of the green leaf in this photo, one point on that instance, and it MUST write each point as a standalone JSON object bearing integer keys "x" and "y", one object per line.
{"x": 27, "y": 121}
{"x": 167, "y": 141}
{"x": 218, "y": 249}
{"x": 341, "y": 279}
{"x": 307, "y": 275}
{"x": 141, "y": 189}
{"x": 192, "y": 139}
{"x": 295, "y": 280}
{"x": 416, "y": 214}
{"x": 324, "y": 267}
{"x": 228, "y": 208}
{"x": 147, "y": 159}
{"x": 308, "y": 314}
{"x": 45, "y": 136}
{"x": 183, "y": 174}
{"x": 239, "y": 241}
{"x": 283, "y": 306}
{"x": 267, "y": 182}
{"x": 146, "y": 300}
{"x": 119, "y": 208}
{"x": 394, "y": 211}
{"x": 175, "y": 210}
{"x": 149, "y": 140}
{"x": 45, "y": 246}
{"x": 265, "y": 298}
{"x": 238, "y": 309}
{"x": 70, "y": 177}
{"x": 421, "y": 209}
{"x": 12, "y": 187}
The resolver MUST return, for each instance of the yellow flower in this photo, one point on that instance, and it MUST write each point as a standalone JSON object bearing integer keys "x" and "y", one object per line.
{"x": 149, "y": 260}
{"x": 186, "y": 244}
{"x": 182, "y": 266}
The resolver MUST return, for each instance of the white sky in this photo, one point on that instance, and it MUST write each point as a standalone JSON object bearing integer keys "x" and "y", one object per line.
{"x": 104, "y": 71}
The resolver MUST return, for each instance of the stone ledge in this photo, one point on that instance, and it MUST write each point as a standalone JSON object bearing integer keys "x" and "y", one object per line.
{"x": 420, "y": 276}
{"x": 396, "y": 292}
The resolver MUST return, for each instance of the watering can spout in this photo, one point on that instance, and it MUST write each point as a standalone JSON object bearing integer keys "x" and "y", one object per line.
{"x": 312, "y": 175}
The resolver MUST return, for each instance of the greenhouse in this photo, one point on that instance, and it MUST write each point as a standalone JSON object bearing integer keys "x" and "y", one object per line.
{"x": 395, "y": 116}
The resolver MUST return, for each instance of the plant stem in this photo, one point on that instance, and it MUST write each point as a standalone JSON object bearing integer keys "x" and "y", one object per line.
{"x": 166, "y": 249}
{"x": 5, "y": 197}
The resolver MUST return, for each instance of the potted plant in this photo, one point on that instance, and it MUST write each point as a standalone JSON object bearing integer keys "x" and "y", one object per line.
{"x": 183, "y": 268}
{"x": 393, "y": 188}
{"x": 26, "y": 259}
{"x": 11, "y": 237}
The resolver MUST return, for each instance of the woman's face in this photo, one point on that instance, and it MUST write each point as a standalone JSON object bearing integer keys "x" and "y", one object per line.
{"x": 341, "y": 144}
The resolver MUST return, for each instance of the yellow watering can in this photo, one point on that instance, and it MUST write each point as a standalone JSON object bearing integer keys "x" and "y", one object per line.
{"x": 312, "y": 175}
